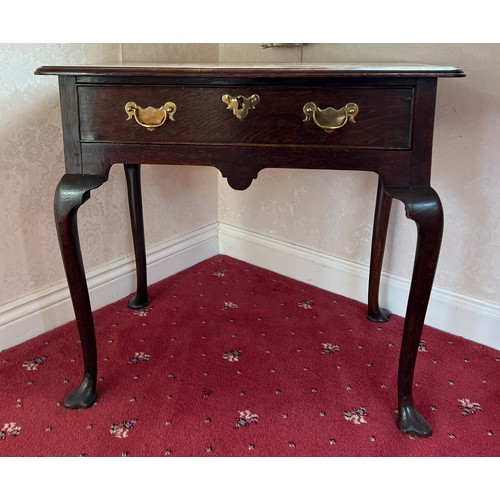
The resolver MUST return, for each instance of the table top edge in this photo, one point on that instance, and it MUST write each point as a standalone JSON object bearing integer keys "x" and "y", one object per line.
{"x": 227, "y": 70}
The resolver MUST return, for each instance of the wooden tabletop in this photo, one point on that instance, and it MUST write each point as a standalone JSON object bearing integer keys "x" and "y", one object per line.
{"x": 294, "y": 70}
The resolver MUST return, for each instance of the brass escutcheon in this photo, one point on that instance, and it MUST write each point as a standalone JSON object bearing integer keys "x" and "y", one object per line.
{"x": 150, "y": 117}
{"x": 240, "y": 104}
{"x": 330, "y": 119}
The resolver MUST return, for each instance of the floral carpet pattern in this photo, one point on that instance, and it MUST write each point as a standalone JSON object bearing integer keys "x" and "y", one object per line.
{"x": 233, "y": 360}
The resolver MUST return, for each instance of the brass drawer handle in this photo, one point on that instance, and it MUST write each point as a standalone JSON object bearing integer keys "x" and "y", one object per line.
{"x": 150, "y": 117}
{"x": 240, "y": 104}
{"x": 330, "y": 119}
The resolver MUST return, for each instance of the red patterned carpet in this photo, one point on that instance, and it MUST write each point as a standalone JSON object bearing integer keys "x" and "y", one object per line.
{"x": 233, "y": 360}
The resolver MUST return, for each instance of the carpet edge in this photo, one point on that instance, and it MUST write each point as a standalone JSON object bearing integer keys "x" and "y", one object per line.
{"x": 448, "y": 311}
{"x": 42, "y": 311}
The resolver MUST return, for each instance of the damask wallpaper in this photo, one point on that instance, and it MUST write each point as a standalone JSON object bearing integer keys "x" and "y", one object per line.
{"x": 31, "y": 164}
{"x": 332, "y": 212}
{"x": 327, "y": 211}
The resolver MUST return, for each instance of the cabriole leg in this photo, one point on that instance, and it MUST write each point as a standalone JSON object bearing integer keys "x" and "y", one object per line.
{"x": 133, "y": 176}
{"x": 380, "y": 225}
{"x": 422, "y": 205}
{"x": 72, "y": 191}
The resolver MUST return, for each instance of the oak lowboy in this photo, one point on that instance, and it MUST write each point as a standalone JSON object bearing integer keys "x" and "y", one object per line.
{"x": 241, "y": 119}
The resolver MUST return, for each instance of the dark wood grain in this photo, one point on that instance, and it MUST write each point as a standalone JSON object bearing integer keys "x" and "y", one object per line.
{"x": 383, "y": 121}
{"x": 392, "y": 137}
{"x": 422, "y": 205}
{"x": 70, "y": 123}
{"x": 380, "y": 225}
{"x": 73, "y": 191}
{"x": 257, "y": 70}
{"x": 393, "y": 166}
{"x": 133, "y": 178}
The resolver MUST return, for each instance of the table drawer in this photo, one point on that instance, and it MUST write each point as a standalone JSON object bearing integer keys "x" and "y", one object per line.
{"x": 200, "y": 116}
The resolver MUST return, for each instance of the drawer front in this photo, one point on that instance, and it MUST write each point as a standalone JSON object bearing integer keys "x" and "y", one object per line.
{"x": 201, "y": 117}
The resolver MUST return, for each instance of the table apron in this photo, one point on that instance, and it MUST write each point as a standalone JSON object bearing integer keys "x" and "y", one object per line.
{"x": 241, "y": 161}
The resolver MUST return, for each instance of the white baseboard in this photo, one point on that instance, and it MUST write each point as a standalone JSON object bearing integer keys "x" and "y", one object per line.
{"x": 40, "y": 312}
{"x": 29, "y": 316}
{"x": 451, "y": 312}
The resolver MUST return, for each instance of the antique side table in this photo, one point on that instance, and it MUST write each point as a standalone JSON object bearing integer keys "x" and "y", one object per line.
{"x": 242, "y": 118}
